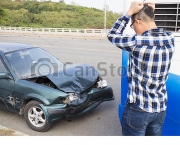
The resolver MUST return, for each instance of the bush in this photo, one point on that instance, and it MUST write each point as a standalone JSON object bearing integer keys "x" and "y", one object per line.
{"x": 54, "y": 15}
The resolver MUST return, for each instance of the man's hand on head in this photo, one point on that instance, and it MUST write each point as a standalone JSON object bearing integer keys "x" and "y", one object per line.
{"x": 135, "y": 7}
{"x": 151, "y": 4}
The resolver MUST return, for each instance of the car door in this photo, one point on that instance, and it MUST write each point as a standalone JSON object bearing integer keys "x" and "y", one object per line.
{"x": 6, "y": 89}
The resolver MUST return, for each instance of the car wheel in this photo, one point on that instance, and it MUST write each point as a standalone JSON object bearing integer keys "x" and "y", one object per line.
{"x": 35, "y": 116}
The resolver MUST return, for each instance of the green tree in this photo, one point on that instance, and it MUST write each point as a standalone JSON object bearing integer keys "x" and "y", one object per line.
{"x": 61, "y": 1}
{"x": 50, "y": 14}
{"x": 2, "y": 14}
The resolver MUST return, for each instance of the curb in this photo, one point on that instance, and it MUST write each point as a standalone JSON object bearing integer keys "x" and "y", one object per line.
{"x": 52, "y": 35}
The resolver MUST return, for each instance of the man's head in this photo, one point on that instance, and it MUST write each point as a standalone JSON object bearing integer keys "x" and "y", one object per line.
{"x": 143, "y": 20}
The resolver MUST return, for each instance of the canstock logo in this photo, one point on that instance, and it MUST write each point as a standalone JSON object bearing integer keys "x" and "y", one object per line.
{"x": 44, "y": 67}
{"x": 112, "y": 70}
{"x": 102, "y": 67}
{"x": 79, "y": 70}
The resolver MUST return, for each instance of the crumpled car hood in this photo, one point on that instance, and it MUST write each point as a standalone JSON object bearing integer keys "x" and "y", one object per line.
{"x": 74, "y": 77}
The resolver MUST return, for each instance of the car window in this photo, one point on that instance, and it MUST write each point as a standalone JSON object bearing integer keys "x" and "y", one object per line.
{"x": 20, "y": 63}
{"x": 32, "y": 62}
{"x": 2, "y": 67}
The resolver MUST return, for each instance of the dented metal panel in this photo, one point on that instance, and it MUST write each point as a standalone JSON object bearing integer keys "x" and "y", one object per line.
{"x": 75, "y": 78}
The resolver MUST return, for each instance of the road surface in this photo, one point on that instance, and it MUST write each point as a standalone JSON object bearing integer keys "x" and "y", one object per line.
{"x": 100, "y": 53}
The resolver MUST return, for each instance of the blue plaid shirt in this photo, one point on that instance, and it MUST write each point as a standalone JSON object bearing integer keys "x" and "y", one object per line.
{"x": 150, "y": 57}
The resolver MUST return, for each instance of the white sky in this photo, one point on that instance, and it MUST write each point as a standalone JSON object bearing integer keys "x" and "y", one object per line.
{"x": 114, "y": 5}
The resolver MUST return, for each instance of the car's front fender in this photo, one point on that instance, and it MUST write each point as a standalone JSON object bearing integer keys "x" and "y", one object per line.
{"x": 54, "y": 112}
{"x": 37, "y": 97}
{"x": 44, "y": 94}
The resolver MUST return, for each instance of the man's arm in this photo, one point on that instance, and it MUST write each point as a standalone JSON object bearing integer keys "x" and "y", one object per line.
{"x": 115, "y": 36}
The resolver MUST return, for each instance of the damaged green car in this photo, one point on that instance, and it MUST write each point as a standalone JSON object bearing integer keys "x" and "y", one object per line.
{"x": 37, "y": 85}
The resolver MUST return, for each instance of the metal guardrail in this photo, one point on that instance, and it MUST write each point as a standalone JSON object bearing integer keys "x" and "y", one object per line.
{"x": 57, "y": 31}
{"x": 64, "y": 31}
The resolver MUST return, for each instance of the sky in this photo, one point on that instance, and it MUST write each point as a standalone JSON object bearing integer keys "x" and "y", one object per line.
{"x": 114, "y": 5}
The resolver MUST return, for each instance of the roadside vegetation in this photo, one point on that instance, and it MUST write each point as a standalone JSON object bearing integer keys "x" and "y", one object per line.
{"x": 9, "y": 132}
{"x": 52, "y": 15}
{"x": 4, "y": 132}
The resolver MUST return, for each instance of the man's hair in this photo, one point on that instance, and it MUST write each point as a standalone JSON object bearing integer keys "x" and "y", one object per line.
{"x": 146, "y": 14}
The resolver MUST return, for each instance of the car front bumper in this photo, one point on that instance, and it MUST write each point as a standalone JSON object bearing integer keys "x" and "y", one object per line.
{"x": 95, "y": 95}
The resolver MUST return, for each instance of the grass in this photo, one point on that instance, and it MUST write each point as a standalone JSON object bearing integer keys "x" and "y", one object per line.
{"x": 9, "y": 132}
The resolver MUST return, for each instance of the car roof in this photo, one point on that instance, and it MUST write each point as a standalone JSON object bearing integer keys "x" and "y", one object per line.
{"x": 8, "y": 47}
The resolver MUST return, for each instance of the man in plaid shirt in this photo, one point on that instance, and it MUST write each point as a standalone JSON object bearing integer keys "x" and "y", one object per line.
{"x": 150, "y": 53}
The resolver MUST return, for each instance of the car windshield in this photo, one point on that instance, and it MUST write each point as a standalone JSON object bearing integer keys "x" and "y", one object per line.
{"x": 33, "y": 62}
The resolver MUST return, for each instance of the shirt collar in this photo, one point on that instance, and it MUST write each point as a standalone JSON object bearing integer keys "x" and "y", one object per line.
{"x": 154, "y": 31}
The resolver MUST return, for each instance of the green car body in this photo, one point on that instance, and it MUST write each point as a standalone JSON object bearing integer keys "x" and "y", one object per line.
{"x": 50, "y": 97}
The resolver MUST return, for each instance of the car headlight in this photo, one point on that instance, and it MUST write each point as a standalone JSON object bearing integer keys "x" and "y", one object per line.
{"x": 72, "y": 97}
{"x": 102, "y": 84}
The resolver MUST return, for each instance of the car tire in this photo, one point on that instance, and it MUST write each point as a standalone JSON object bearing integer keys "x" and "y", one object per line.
{"x": 35, "y": 117}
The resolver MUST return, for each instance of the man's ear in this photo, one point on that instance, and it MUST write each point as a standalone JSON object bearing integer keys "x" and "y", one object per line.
{"x": 138, "y": 21}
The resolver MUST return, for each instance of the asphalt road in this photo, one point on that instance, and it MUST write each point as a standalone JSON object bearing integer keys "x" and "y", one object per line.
{"x": 100, "y": 53}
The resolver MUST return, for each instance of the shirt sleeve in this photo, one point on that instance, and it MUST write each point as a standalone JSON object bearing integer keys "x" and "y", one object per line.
{"x": 115, "y": 36}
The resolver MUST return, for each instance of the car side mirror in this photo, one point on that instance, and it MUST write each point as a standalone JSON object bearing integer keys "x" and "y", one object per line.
{"x": 4, "y": 75}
